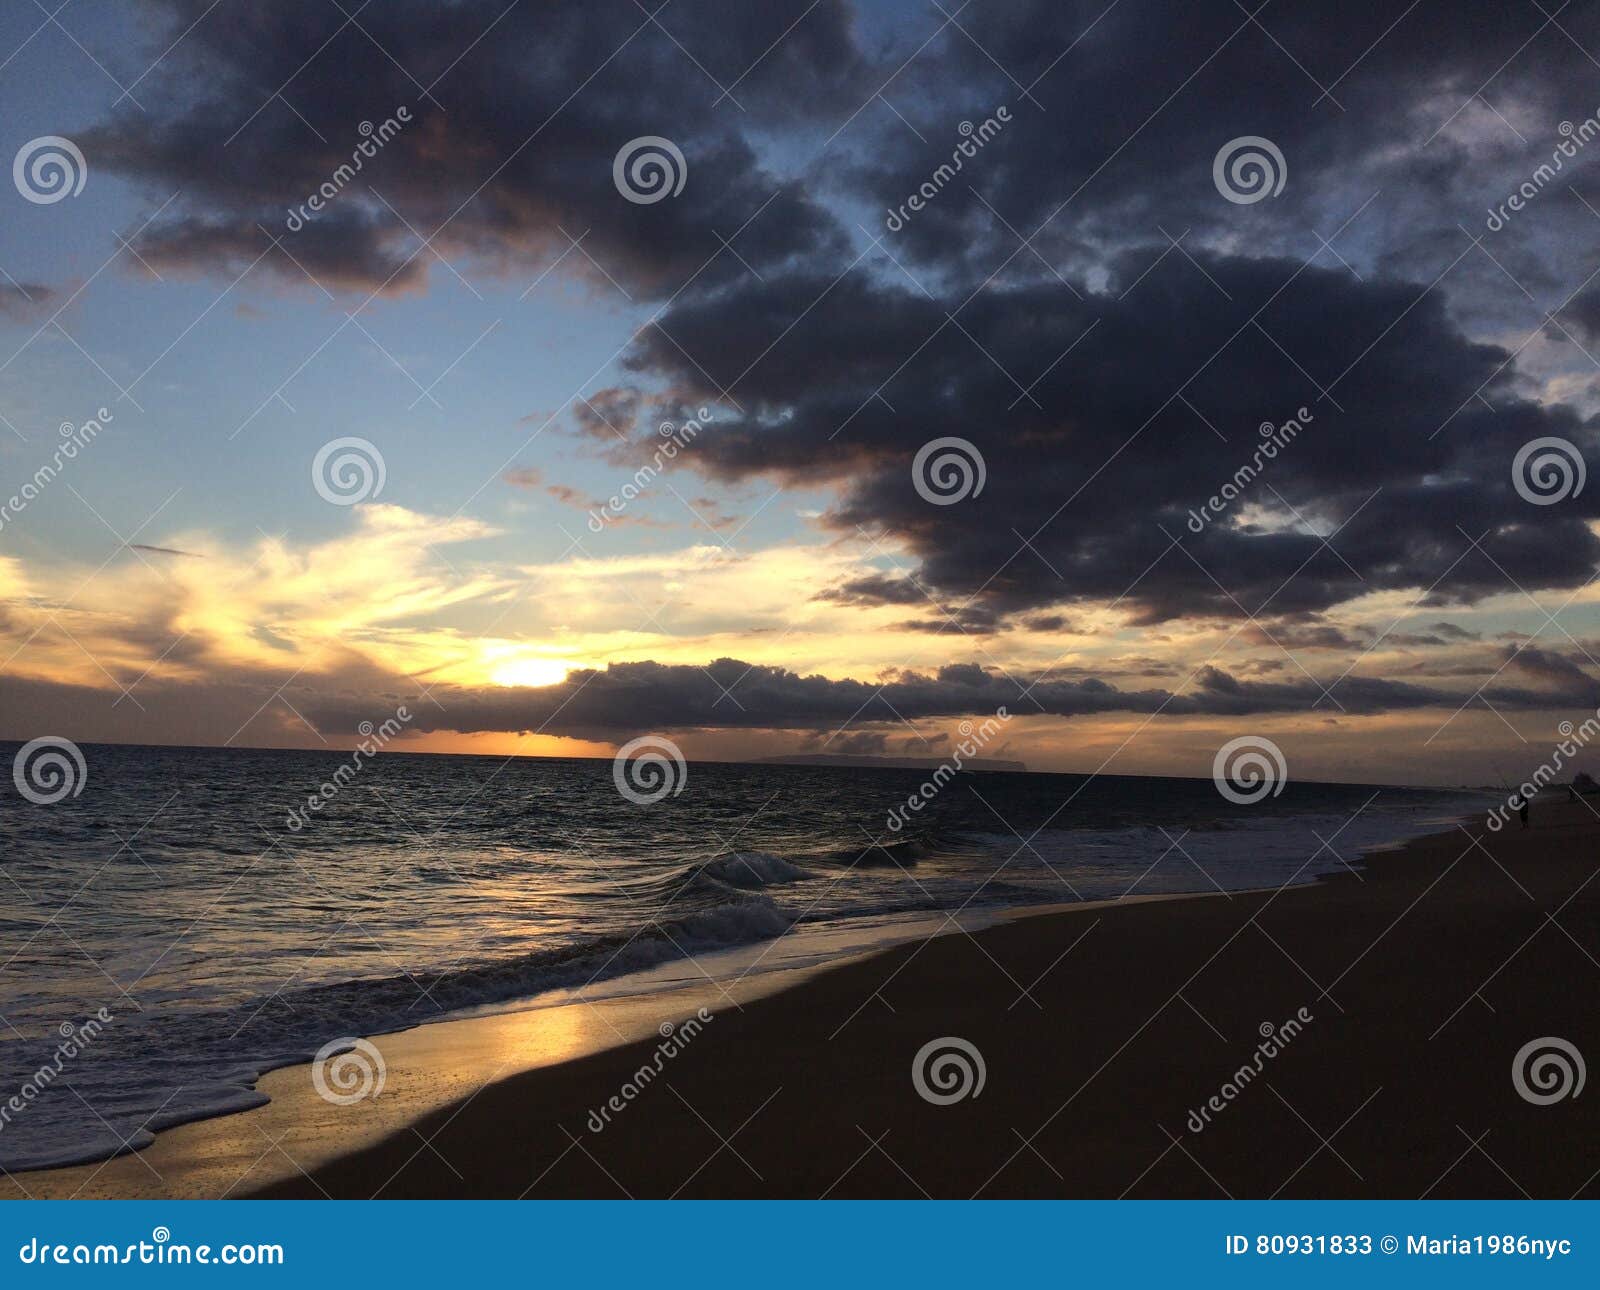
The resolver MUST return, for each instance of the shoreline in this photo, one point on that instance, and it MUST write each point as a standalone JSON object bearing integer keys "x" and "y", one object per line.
{"x": 805, "y": 945}
{"x": 1101, "y": 1031}
{"x": 214, "y": 1156}
{"x": 297, "y": 1129}
{"x": 157, "y": 1087}
{"x": 297, "y": 1143}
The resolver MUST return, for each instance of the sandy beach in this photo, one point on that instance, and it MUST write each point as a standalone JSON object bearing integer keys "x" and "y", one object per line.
{"x": 802, "y": 600}
{"x": 1411, "y": 984}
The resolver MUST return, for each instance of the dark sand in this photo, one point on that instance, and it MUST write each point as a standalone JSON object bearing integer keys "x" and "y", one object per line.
{"x": 1101, "y": 1030}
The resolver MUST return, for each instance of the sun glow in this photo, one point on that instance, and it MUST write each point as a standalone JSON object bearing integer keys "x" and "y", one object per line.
{"x": 530, "y": 669}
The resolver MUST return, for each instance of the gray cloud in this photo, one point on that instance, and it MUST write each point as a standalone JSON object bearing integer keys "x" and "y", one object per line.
{"x": 23, "y": 300}
{"x": 512, "y": 144}
{"x": 629, "y": 697}
{"x": 1113, "y": 371}
{"x": 1118, "y": 457}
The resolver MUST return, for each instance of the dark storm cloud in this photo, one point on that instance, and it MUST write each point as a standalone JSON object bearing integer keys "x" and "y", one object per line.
{"x": 859, "y": 743}
{"x": 954, "y": 620}
{"x": 1118, "y": 111}
{"x": 1550, "y": 668}
{"x": 1413, "y": 639}
{"x": 1437, "y": 634}
{"x": 512, "y": 143}
{"x": 609, "y": 415}
{"x": 1303, "y": 636}
{"x": 21, "y": 300}
{"x": 1408, "y": 434}
{"x": 629, "y": 697}
{"x": 1583, "y": 315}
{"x": 875, "y": 589}
{"x": 1113, "y": 375}
{"x": 1362, "y": 637}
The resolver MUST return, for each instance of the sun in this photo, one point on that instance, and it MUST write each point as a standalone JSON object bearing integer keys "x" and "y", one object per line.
{"x": 530, "y": 670}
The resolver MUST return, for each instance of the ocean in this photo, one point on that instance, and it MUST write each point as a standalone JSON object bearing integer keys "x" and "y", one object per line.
{"x": 172, "y": 927}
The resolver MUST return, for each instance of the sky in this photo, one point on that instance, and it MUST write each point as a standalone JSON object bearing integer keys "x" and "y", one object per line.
{"x": 805, "y": 377}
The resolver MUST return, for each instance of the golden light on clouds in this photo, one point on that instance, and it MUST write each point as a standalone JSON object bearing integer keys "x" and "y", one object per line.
{"x": 400, "y": 603}
{"x": 530, "y": 669}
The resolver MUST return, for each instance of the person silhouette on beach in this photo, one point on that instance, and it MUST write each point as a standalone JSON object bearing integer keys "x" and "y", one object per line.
{"x": 1522, "y": 811}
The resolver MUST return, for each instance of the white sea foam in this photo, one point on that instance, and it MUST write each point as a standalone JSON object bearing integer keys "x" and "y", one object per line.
{"x": 752, "y": 869}
{"x": 276, "y": 970}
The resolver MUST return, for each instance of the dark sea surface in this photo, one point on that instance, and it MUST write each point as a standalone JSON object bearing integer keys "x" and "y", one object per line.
{"x": 172, "y": 893}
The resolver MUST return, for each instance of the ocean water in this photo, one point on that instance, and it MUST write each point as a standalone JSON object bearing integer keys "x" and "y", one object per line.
{"x": 172, "y": 894}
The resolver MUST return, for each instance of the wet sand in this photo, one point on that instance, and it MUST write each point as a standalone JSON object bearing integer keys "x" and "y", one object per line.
{"x": 1103, "y": 1034}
